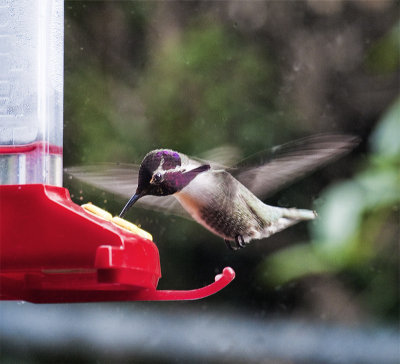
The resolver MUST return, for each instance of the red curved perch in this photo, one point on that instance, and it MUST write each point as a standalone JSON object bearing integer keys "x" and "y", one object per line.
{"x": 221, "y": 281}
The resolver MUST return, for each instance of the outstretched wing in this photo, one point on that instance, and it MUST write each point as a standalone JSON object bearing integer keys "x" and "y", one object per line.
{"x": 222, "y": 157}
{"x": 288, "y": 162}
{"x": 121, "y": 179}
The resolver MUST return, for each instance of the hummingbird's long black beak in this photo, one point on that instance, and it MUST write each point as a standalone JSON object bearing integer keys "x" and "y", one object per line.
{"x": 131, "y": 201}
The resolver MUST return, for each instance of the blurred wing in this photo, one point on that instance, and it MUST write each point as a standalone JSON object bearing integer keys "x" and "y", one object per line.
{"x": 121, "y": 179}
{"x": 222, "y": 157}
{"x": 293, "y": 160}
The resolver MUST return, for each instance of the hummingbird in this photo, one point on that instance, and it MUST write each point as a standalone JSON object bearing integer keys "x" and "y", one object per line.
{"x": 224, "y": 199}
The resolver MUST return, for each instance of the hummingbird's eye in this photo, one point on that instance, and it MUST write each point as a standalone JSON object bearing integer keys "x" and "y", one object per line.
{"x": 157, "y": 178}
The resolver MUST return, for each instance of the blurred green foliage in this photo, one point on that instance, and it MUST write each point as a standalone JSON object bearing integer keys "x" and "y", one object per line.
{"x": 358, "y": 226}
{"x": 206, "y": 88}
{"x": 103, "y": 119}
{"x": 211, "y": 88}
{"x": 384, "y": 55}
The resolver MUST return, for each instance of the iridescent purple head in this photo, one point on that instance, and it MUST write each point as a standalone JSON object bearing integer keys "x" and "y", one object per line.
{"x": 154, "y": 165}
{"x": 160, "y": 174}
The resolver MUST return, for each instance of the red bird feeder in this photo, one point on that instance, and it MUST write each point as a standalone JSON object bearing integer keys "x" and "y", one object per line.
{"x": 54, "y": 251}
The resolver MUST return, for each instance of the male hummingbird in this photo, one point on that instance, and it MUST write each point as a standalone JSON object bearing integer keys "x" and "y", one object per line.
{"x": 226, "y": 205}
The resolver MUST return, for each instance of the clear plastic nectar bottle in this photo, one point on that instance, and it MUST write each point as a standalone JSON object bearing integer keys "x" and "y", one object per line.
{"x": 31, "y": 91}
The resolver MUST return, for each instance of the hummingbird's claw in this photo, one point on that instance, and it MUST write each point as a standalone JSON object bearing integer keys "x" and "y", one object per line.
{"x": 240, "y": 241}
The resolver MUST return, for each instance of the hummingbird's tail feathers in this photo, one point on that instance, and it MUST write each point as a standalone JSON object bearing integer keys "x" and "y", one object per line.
{"x": 288, "y": 217}
{"x": 281, "y": 224}
{"x": 299, "y": 214}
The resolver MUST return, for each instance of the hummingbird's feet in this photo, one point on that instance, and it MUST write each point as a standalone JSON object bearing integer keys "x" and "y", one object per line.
{"x": 240, "y": 243}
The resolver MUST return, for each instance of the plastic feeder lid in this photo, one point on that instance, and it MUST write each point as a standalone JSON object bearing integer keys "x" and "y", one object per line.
{"x": 52, "y": 250}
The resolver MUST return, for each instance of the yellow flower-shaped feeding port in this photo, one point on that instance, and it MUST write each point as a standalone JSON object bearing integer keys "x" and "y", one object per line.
{"x": 95, "y": 210}
{"x": 132, "y": 228}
